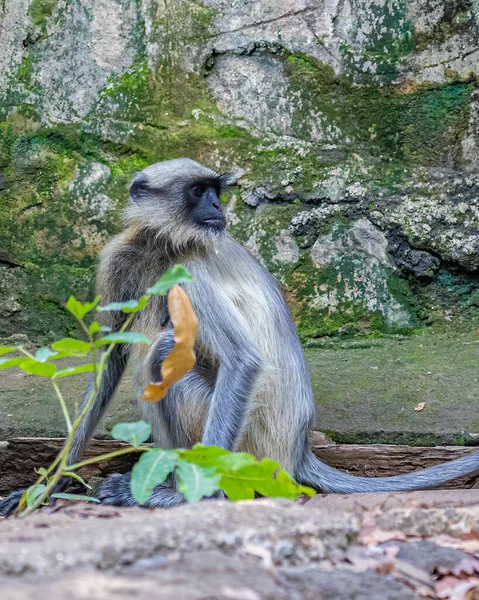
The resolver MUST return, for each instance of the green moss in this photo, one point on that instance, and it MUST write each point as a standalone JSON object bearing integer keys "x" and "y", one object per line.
{"x": 44, "y": 292}
{"x": 368, "y": 394}
{"x": 389, "y": 40}
{"x": 400, "y": 438}
{"x": 419, "y": 126}
{"x": 303, "y": 285}
{"x": 24, "y": 70}
{"x": 455, "y": 20}
{"x": 41, "y": 9}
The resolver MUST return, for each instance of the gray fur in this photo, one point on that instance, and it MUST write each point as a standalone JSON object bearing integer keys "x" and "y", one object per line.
{"x": 110, "y": 380}
{"x": 250, "y": 388}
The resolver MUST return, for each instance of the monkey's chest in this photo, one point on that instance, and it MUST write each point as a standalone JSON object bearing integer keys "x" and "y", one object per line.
{"x": 250, "y": 304}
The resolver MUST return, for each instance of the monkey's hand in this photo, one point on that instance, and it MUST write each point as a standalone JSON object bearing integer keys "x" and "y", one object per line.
{"x": 115, "y": 491}
{"x": 9, "y": 504}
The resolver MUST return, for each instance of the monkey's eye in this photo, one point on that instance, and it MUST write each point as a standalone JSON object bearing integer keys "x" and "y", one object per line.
{"x": 198, "y": 190}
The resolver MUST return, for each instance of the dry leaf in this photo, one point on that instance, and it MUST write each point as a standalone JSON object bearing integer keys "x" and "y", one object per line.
{"x": 182, "y": 358}
{"x": 420, "y": 406}
{"x": 411, "y": 572}
{"x": 385, "y": 568}
{"x": 468, "y": 590}
{"x": 446, "y": 586}
{"x": 466, "y": 566}
{"x": 473, "y": 592}
{"x": 467, "y": 544}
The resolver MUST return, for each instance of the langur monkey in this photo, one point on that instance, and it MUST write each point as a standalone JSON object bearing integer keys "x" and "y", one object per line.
{"x": 250, "y": 388}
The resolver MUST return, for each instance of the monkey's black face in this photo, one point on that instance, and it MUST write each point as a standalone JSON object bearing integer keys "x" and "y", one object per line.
{"x": 203, "y": 204}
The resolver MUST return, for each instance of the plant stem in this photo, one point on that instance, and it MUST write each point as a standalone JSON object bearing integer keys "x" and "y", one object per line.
{"x": 85, "y": 329}
{"x": 52, "y": 483}
{"x": 101, "y": 457}
{"x": 63, "y": 405}
{"x": 62, "y": 457}
{"x": 26, "y": 353}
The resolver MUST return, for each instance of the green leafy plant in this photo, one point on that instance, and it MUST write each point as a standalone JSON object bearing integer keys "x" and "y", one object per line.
{"x": 200, "y": 471}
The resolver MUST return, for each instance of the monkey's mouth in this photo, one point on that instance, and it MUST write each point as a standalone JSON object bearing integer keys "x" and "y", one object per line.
{"x": 215, "y": 223}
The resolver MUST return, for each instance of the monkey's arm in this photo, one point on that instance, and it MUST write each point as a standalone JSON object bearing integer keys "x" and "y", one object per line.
{"x": 115, "y": 368}
{"x": 224, "y": 335}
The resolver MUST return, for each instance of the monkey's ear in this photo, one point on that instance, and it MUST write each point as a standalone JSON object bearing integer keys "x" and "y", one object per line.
{"x": 227, "y": 180}
{"x": 139, "y": 188}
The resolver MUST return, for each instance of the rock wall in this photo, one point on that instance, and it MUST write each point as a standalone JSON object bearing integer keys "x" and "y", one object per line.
{"x": 355, "y": 125}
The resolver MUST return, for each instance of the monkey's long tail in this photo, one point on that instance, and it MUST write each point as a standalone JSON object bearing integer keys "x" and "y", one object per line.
{"x": 324, "y": 478}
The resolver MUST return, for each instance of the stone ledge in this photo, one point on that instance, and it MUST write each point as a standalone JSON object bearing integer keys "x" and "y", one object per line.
{"x": 374, "y": 546}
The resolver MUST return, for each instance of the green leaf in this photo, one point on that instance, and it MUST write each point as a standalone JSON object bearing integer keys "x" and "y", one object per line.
{"x": 7, "y": 349}
{"x": 75, "y": 347}
{"x": 266, "y": 477}
{"x": 151, "y": 470}
{"x": 127, "y": 337}
{"x": 6, "y": 363}
{"x": 196, "y": 482}
{"x": 213, "y": 456}
{"x": 80, "y": 309}
{"x": 43, "y": 354}
{"x": 37, "y": 368}
{"x": 177, "y": 274}
{"x": 284, "y": 480}
{"x": 33, "y": 492}
{"x": 94, "y": 327}
{"x": 88, "y": 368}
{"x": 42, "y": 471}
{"x": 133, "y": 433}
{"x": 132, "y": 306}
{"x": 61, "y": 354}
{"x": 65, "y": 496}
{"x": 78, "y": 478}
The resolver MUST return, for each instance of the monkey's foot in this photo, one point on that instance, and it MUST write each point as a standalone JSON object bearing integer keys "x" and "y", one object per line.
{"x": 10, "y": 503}
{"x": 115, "y": 490}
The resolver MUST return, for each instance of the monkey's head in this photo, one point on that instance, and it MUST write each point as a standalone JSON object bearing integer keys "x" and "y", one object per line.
{"x": 179, "y": 201}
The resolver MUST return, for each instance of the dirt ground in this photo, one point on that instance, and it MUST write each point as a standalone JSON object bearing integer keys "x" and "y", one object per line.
{"x": 365, "y": 390}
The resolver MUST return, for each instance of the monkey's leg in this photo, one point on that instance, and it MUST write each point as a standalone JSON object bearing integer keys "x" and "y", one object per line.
{"x": 115, "y": 490}
{"x": 232, "y": 398}
{"x": 169, "y": 429}
{"x": 115, "y": 368}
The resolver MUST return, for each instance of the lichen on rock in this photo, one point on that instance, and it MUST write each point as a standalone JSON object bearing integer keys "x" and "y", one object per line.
{"x": 355, "y": 127}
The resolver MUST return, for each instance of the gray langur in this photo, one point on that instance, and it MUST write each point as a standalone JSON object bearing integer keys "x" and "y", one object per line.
{"x": 250, "y": 388}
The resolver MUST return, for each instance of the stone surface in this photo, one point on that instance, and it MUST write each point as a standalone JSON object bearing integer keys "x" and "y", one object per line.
{"x": 341, "y": 117}
{"x": 205, "y": 575}
{"x": 429, "y": 556}
{"x": 339, "y": 585}
{"x": 390, "y": 500}
{"x": 291, "y": 534}
{"x": 262, "y": 549}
